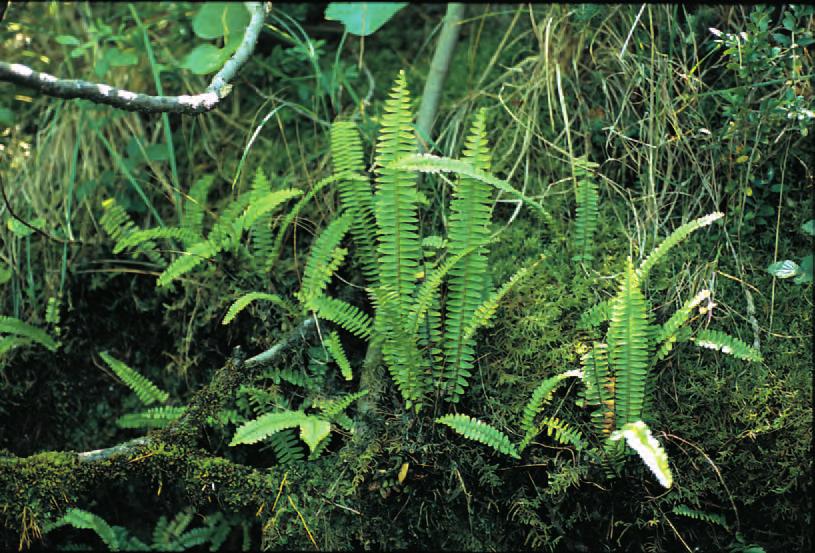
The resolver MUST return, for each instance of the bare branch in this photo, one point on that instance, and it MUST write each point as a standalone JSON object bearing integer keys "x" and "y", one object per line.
{"x": 132, "y": 101}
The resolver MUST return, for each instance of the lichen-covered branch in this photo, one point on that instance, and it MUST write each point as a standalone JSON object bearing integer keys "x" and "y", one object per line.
{"x": 133, "y": 101}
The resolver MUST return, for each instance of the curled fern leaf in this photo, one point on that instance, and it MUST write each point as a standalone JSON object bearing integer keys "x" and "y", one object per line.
{"x": 718, "y": 340}
{"x": 146, "y": 391}
{"x": 673, "y": 239}
{"x": 11, "y": 325}
{"x": 639, "y": 438}
{"x": 156, "y": 417}
{"x": 474, "y": 429}
{"x": 242, "y": 302}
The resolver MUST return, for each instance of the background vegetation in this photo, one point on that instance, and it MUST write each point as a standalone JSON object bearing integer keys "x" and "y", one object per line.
{"x": 685, "y": 112}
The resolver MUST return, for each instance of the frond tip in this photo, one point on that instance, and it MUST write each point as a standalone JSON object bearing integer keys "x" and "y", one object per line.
{"x": 474, "y": 429}
{"x": 639, "y": 438}
{"x": 718, "y": 340}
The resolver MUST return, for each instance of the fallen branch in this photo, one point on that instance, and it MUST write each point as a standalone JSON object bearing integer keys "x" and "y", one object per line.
{"x": 132, "y": 101}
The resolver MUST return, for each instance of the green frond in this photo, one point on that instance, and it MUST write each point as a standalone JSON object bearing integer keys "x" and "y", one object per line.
{"x": 628, "y": 344}
{"x": 264, "y": 426}
{"x": 720, "y": 341}
{"x": 485, "y": 311}
{"x": 319, "y": 448}
{"x": 261, "y": 230}
{"x": 194, "y": 256}
{"x": 314, "y": 430}
{"x": 468, "y": 229}
{"x": 395, "y": 202}
{"x": 667, "y": 333}
{"x": 595, "y": 316}
{"x": 242, "y": 302}
{"x": 433, "y": 242}
{"x": 146, "y": 391}
{"x": 12, "y": 325}
{"x": 286, "y": 447}
{"x": 355, "y": 193}
{"x": 292, "y": 214}
{"x": 334, "y": 407}
{"x": 118, "y": 225}
{"x": 587, "y": 212}
{"x": 8, "y": 343}
{"x": 155, "y": 417}
{"x": 334, "y": 347}
{"x": 139, "y": 237}
{"x": 673, "y": 239}
{"x": 266, "y": 203}
{"x": 561, "y": 432}
{"x": 712, "y": 518}
{"x": 349, "y": 317}
{"x": 540, "y": 397}
{"x": 474, "y": 429}
{"x": 599, "y": 388}
{"x": 428, "y": 163}
{"x": 192, "y": 220}
{"x": 226, "y": 232}
{"x": 639, "y": 438}
{"x": 324, "y": 259}
{"x": 88, "y": 521}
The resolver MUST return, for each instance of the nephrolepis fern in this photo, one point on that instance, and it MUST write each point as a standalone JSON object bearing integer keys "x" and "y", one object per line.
{"x": 479, "y": 431}
{"x": 586, "y": 222}
{"x": 146, "y": 391}
{"x": 21, "y": 332}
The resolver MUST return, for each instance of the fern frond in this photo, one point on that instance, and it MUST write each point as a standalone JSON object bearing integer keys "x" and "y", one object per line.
{"x": 12, "y": 325}
{"x": 264, "y": 426}
{"x": 349, "y": 317}
{"x": 227, "y": 230}
{"x": 599, "y": 388}
{"x": 155, "y": 417}
{"x": 319, "y": 448}
{"x": 292, "y": 215}
{"x": 586, "y": 221}
{"x": 474, "y": 429}
{"x": 324, "y": 259}
{"x": 560, "y": 431}
{"x": 673, "y": 239}
{"x": 334, "y": 407}
{"x": 395, "y": 202}
{"x": 468, "y": 229}
{"x": 263, "y": 205}
{"x": 595, "y": 316}
{"x": 666, "y": 335}
{"x": 118, "y": 225}
{"x": 261, "y": 231}
{"x": 146, "y": 391}
{"x": 713, "y": 518}
{"x": 192, "y": 220}
{"x": 428, "y": 163}
{"x": 139, "y": 237}
{"x": 628, "y": 343}
{"x": 540, "y": 397}
{"x": 194, "y": 256}
{"x": 88, "y": 521}
{"x": 334, "y": 347}
{"x": 8, "y": 343}
{"x": 314, "y": 430}
{"x": 355, "y": 193}
{"x": 720, "y": 341}
{"x": 286, "y": 447}
{"x": 242, "y": 302}
{"x": 639, "y": 438}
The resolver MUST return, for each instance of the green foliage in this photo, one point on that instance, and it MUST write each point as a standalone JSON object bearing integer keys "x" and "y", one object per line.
{"x": 325, "y": 258}
{"x": 146, "y": 391}
{"x": 639, "y": 438}
{"x": 23, "y": 332}
{"x": 719, "y": 341}
{"x": 673, "y": 239}
{"x": 362, "y": 18}
{"x": 119, "y": 226}
{"x": 334, "y": 347}
{"x": 474, "y": 429}
{"x": 89, "y": 521}
{"x": 155, "y": 417}
{"x": 712, "y": 518}
{"x": 540, "y": 397}
{"x": 192, "y": 219}
{"x": 242, "y": 302}
{"x": 585, "y": 223}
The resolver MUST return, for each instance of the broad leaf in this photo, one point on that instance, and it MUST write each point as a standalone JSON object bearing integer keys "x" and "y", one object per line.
{"x": 362, "y": 18}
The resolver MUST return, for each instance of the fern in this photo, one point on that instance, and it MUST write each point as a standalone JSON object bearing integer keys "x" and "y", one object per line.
{"x": 468, "y": 228}
{"x": 8, "y": 343}
{"x": 672, "y": 240}
{"x": 146, "y": 391}
{"x": 261, "y": 232}
{"x": 314, "y": 430}
{"x": 324, "y": 259}
{"x": 264, "y": 426}
{"x": 587, "y": 213}
{"x": 194, "y": 256}
{"x": 355, "y": 193}
{"x": 118, "y": 225}
{"x": 719, "y": 341}
{"x": 558, "y": 430}
{"x": 286, "y": 447}
{"x": 242, "y": 302}
{"x": 541, "y": 396}
{"x": 266, "y": 203}
{"x": 156, "y": 417}
{"x": 599, "y": 388}
{"x": 639, "y": 438}
{"x": 192, "y": 219}
{"x": 595, "y": 316}
{"x": 89, "y": 521}
{"x": 713, "y": 518}
{"x": 139, "y": 237}
{"x": 474, "y": 429}
{"x": 428, "y": 163}
{"x": 344, "y": 314}
{"x": 667, "y": 334}
{"x": 334, "y": 407}
{"x": 11, "y": 325}
{"x": 628, "y": 342}
{"x": 334, "y": 347}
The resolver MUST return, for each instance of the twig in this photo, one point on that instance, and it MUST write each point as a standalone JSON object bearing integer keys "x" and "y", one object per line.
{"x": 218, "y": 89}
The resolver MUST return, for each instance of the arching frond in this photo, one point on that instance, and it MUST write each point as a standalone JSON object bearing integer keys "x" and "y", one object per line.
{"x": 334, "y": 347}
{"x": 474, "y": 429}
{"x": 324, "y": 259}
{"x": 192, "y": 220}
{"x": 673, "y": 239}
{"x": 155, "y": 417}
{"x": 146, "y": 391}
{"x": 540, "y": 397}
{"x": 720, "y": 341}
{"x": 12, "y": 325}
{"x": 349, "y": 317}
{"x": 242, "y": 302}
